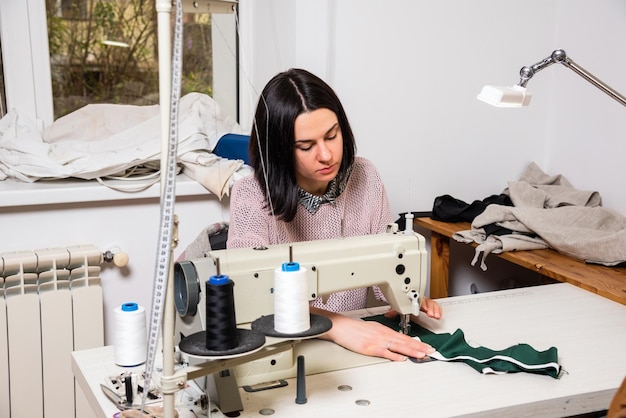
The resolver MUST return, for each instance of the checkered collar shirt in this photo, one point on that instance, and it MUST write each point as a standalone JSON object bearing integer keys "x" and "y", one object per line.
{"x": 335, "y": 188}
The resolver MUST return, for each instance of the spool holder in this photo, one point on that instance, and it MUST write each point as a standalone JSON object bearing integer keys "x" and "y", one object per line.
{"x": 252, "y": 340}
{"x": 195, "y": 344}
{"x": 319, "y": 326}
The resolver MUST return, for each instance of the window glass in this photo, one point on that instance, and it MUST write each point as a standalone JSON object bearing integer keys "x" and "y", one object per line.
{"x": 105, "y": 51}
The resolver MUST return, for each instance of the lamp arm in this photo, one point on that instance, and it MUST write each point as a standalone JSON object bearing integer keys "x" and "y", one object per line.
{"x": 559, "y": 56}
{"x": 527, "y": 72}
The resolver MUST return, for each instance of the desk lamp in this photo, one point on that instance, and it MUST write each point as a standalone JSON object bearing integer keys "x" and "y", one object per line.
{"x": 518, "y": 96}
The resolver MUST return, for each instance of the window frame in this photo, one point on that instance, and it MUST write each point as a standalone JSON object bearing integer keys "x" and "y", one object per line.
{"x": 26, "y": 59}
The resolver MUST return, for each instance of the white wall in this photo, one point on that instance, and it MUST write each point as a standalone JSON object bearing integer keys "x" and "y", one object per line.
{"x": 409, "y": 71}
{"x": 586, "y": 133}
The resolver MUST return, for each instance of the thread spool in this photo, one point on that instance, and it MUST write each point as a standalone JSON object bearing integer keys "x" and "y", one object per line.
{"x": 129, "y": 338}
{"x": 221, "y": 326}
{"x": 291, "y": 306}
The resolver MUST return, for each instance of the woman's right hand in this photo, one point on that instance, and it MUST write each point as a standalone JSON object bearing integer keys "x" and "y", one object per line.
{"x": 371, "y": 338}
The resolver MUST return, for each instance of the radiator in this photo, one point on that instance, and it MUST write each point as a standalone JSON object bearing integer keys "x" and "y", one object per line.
{"x": 50, "y": 305}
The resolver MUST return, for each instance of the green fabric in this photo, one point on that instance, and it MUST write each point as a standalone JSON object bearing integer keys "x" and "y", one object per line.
{"x": 454, "y": 347}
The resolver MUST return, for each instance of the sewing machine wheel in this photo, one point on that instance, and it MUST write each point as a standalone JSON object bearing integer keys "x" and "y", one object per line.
{"x": 319, "y": 326}
{"x": 186, "y": 288}
{"x": 249, "y": 342}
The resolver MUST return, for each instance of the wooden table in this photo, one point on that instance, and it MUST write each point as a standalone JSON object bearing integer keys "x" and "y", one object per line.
{"x": 609, "y": 282}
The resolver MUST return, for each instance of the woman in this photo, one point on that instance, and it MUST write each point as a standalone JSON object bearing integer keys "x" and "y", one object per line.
{"x": 308, "y": 184}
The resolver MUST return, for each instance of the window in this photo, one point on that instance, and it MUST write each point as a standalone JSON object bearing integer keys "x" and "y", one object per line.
{"x": 102, "y": 52}
{"x": 105, "y": 51}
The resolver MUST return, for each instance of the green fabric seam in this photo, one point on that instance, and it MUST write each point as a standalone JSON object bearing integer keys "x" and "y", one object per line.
{"x": 454, "y": 347}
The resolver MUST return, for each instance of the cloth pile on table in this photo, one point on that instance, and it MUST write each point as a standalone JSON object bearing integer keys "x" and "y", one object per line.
{"x": 548, "y": 212}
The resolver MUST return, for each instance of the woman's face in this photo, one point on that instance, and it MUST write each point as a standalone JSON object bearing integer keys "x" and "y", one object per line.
{"x": 318, "y": 150}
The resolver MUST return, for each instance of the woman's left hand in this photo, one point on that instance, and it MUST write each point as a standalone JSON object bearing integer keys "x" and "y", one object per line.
{"x": 429, "y": 307}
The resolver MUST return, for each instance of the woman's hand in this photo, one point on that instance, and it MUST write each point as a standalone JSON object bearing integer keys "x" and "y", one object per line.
{"x": 374, "y": 339}
{"x": 429, "y": 306}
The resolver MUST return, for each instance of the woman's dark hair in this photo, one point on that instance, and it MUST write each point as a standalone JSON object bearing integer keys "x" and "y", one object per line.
{"x": 283, "y": 99}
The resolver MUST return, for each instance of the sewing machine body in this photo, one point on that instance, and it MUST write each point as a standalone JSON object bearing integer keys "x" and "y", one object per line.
{"x": 395, "y": 261}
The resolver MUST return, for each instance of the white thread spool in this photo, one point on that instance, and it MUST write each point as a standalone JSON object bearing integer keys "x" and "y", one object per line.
{"x": 291, "y": 305}
{"x": 129, "y": 336}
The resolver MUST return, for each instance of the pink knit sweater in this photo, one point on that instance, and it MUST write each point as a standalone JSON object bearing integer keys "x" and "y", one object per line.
{"x": 361, "y": 209}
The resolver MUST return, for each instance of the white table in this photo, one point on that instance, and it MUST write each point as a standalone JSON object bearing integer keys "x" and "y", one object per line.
{"x": 588, "y": 330}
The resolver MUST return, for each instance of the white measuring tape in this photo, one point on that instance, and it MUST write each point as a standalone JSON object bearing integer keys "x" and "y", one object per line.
{"x": 164, "y": 244}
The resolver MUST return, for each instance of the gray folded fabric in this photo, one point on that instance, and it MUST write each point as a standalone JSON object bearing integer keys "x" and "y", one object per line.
{"x": 557, "y": 216}
{"x": 537, "y": 189}
{"x": 592, "y": 234}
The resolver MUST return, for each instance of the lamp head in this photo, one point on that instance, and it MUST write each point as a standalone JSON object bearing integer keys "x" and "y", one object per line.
{"x": 517, "y": 96}
{"x": 502, "y": 96}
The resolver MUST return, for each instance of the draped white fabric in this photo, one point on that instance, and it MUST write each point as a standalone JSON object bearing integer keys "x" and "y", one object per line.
{"x": 101, "y": 140}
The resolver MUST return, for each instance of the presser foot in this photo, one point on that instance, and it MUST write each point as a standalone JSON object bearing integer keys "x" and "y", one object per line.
{"x": 405, "y": 324}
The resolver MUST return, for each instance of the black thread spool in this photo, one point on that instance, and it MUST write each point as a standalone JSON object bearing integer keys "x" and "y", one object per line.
{"x": 221, "y": 326}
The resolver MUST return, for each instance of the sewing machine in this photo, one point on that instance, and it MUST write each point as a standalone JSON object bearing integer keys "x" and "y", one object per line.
{"x": 396, "y": 261}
